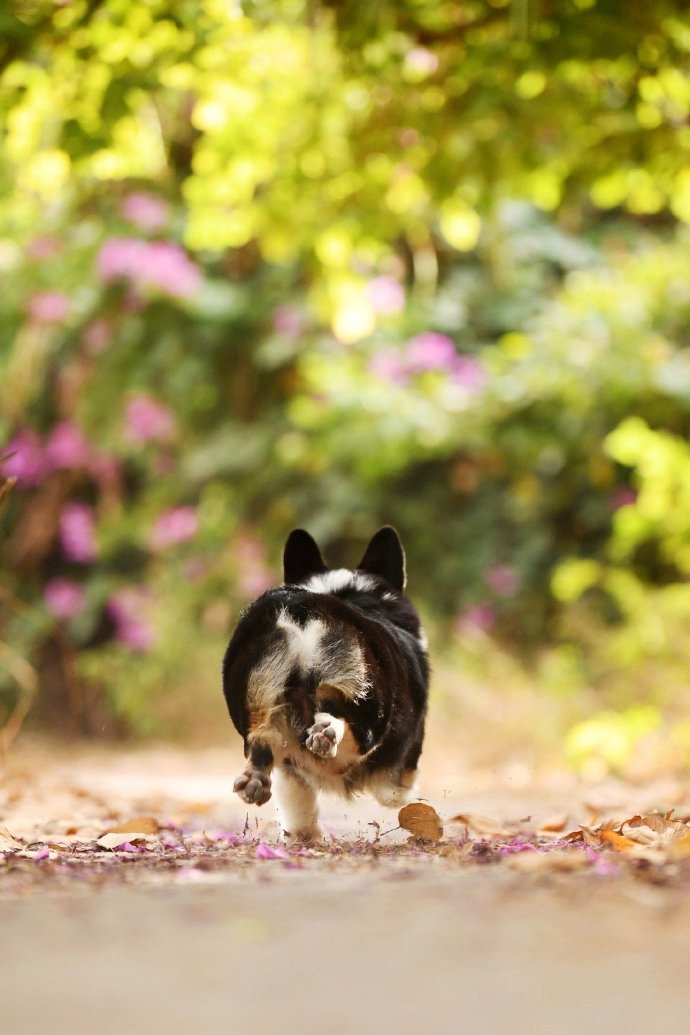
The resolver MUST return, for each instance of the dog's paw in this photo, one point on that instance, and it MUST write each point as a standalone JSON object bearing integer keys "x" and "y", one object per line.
{"x": 322, "y": 739}
{"x": 253, "y": 786}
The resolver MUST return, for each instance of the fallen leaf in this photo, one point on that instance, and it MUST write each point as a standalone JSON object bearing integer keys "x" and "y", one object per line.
{"x": 484, "y": 825}
{"x": 422, "y": 821}
{"x": 554, "y": 824}
{"x": 617, "y": 841}
{"x": 7, "y": 841}
{"x": 114, "y": 840}
{"x": 654, "y": 829}
{"x": 139, "y": 825}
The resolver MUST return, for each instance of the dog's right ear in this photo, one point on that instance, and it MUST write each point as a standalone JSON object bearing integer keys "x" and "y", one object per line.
{"x": 301, "y": 558}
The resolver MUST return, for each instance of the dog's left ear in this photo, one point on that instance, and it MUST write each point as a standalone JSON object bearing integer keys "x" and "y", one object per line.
{"x": 385, "y": 558}
{"x": 301, "y": 558}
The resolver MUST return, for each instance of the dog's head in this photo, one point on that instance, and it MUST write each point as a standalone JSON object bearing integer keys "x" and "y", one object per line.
{"x": 382, "y": 567}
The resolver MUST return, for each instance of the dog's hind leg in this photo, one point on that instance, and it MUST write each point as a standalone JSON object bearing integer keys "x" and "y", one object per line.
{"x": 299, "y": 816}
{"x": 254, "y": 785}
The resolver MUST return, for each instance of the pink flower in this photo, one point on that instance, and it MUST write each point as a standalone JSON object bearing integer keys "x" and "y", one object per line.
{"x": 430, "y": 351}
{"x": 128, "y": 607}
{"x": 105, "y": 469}
{"x": 64, "y": 598}
{"x": 48, "y": 307}
{"x": 97, "y": 337}
{"x": 145, "y": 210}
{"x": 387, "y": 295}
{"x": 503, "y": 580}
{"x": 150, "y": 265}
{"x": 77, "y": 533}
{"x": 477, "y": 618}
{"x": 288, "y": 320}
{"x": 623, "y": 496}
{"x": 254, "y": 576}
{"x": 264, "y": 851}
{"x": 389, "y": 365}
{"x": 43, "y": 247}
{"x": 469, "y": 372}
{"x": 66, "y": 447}
{"x": 177, "y": 525}
{"x": 28, "y": 463}
{"x": 147, "y": 420}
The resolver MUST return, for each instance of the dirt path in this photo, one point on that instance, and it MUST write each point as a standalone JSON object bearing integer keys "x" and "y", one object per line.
{"x": 374, "y": 935}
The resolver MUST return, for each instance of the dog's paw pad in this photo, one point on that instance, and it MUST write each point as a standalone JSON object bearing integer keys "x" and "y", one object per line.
{"x": 321, "y": 740}
{"x": 253, "y": 786}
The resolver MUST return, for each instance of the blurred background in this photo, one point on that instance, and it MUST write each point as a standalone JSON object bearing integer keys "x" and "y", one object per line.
{"x": 332, "y": 264}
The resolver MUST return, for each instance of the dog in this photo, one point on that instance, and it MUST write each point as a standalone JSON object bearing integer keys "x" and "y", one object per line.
{"x": 326, "y": 680}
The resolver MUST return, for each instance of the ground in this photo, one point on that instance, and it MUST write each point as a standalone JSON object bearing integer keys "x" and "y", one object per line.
{"x": 547, "y": 908}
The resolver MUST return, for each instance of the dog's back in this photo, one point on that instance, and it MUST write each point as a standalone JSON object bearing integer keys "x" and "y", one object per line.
{"x": 326, "y": 678}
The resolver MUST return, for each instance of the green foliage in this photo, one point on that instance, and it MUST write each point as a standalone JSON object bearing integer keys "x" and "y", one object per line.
{"x": 323, "y": 264}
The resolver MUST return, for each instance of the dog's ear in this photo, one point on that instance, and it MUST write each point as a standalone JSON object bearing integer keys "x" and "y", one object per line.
{"x": 385, "y": 558}
{"x": 301, "y": 558}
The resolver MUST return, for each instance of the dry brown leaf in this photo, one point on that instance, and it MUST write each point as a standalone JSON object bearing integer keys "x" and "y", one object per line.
{"x": 139, "y": 825}
{"x": 114, "y": 841}
{"x": 554, "y": 824}
{"x": 422, "y": 821}
{"x": 484, "y": 825}
{"x": 590, "y": 837}
{"x": 617, "y": 841}
{"x": 654, "y": 829}
{"x": 7, "y": 840}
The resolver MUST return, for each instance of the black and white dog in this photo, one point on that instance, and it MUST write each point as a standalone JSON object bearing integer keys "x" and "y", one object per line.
{"x": 326, "y": 679}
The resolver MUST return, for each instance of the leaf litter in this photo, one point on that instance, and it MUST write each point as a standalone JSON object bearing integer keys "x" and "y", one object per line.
{"x": 653, "y": 846}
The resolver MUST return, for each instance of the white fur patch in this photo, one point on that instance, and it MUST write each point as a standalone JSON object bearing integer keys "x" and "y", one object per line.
{"x": 340, "y": 665}
{"x": 337, "y": 580}
{"x": 297, "y": 806}
{"x": 303, "y": 641}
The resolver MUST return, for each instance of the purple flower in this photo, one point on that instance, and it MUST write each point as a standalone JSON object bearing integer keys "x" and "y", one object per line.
{"x": 48, "y": 307}
{"x": 177, "y": 525}
{"x": 387, "y": 295}
{"x": 503, "y": 580}
{"x": 128, "y": 607}
{"x": 64, "y": 598}
{"x": 77, "y": 533}
{"x": 145, "y": 210}
{"x": 28, "y": 463}
{"x": 149, "y": 265}
{"x": 66, "y": 447}
{"x": 147, "y": 420}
